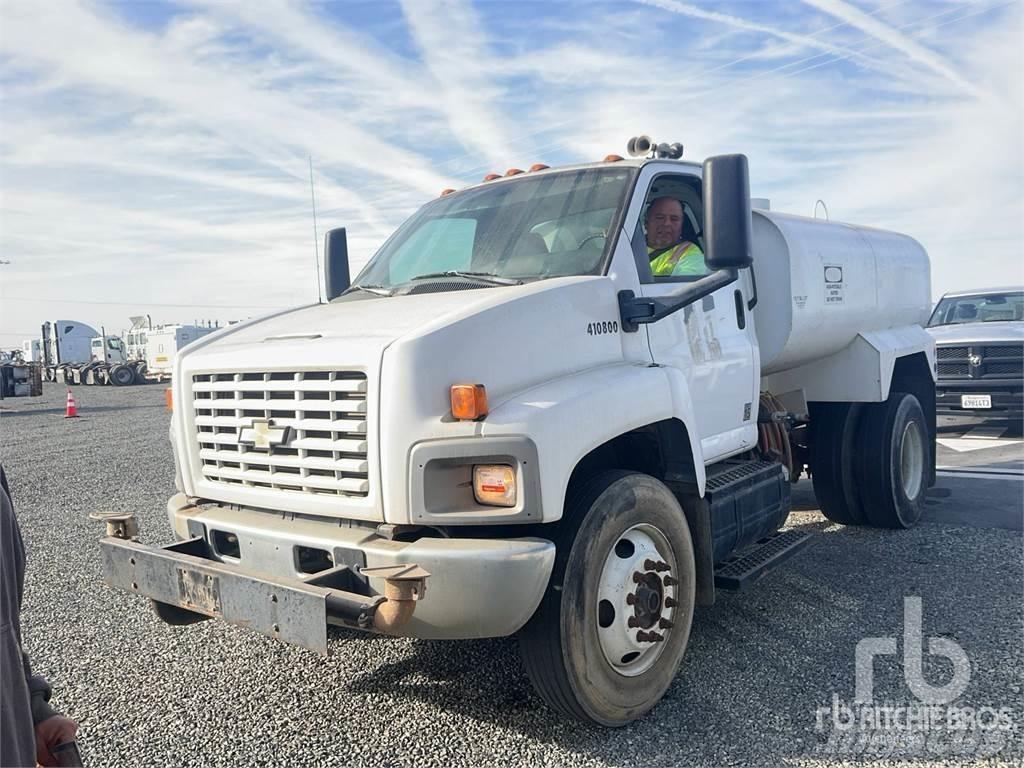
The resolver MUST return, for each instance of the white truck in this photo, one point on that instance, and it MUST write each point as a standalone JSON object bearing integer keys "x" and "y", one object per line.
{"x": 72, "y": 352}
{"x": 508, "y": 424}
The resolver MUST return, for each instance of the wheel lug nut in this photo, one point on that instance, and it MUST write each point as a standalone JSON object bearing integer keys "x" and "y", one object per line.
{"x": 656, "y": 565}
{"x": 632, "y": 622}
{"x": 671, "y": 602}
{"x": 665, "y": 624}
{"x": 630, "y": 599}
{"x": 638, "y": 577}
{"x": 669, "y": 581}
{"x": 649, "y": 637}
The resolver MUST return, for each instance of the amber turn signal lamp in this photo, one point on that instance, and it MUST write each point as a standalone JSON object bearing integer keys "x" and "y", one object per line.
{"x": 469, "y": 401}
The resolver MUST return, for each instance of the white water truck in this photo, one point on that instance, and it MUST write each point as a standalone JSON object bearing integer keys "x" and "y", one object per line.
{"x": 508, "y": 425}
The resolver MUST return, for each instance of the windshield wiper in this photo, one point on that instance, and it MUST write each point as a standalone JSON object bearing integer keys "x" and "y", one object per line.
{"x": 486, "y": 277}
{"x": 376, "y": 290}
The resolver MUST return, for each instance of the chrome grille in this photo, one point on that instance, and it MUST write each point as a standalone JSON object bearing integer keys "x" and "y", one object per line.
{"x": 325, "y": 451}
{"x": 1009, "y": 368}
{"x": 953, "y": 369}
{"x": 1004, "y": 352}
{"x": 951, "y": 353}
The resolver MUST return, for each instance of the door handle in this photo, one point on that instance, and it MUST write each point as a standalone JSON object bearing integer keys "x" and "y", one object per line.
{"x": 741, "y": 317}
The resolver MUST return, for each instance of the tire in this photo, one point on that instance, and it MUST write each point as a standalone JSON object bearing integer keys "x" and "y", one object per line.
{"x": 607, "y": 534}
{"x": 121, "y": 376}
{"x": 893, "y": 461}
{"x": 833, "y": 442}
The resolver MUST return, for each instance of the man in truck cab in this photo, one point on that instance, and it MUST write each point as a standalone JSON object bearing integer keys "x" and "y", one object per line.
{"x": 671, "y": 254}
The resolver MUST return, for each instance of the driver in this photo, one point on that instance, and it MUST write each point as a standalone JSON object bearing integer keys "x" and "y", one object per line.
{"x": 669, "y": 253}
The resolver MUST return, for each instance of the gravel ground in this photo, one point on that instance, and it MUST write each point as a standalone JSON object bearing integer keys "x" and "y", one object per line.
{"x": 759, "y": 665}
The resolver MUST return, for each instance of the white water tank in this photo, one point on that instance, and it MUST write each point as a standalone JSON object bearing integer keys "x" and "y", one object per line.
{"x": 820, "y": 283}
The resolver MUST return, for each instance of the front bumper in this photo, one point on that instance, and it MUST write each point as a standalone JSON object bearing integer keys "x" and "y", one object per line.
{"x": 477, "y": 587}
{"x": 1007, "y": 396}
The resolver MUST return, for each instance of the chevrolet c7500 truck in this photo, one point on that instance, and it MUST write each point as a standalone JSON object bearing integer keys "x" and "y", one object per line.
{"x": 506, "y": 424}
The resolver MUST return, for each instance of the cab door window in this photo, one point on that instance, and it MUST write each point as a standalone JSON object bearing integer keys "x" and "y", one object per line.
{"x": 668, "y": 242}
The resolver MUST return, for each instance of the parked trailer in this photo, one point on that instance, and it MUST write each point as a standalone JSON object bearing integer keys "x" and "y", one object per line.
{"x": 19, "y": 378}
{"x": 163, "y": 344}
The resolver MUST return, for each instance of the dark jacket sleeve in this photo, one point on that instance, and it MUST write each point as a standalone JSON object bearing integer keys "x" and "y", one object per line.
{"x": 13, "y": 562}
{"x": 39, "y": 690}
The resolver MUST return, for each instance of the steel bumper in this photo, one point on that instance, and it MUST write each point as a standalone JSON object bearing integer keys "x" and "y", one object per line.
{"x": 476, "y": 588}
{"x": 183, "y": 575}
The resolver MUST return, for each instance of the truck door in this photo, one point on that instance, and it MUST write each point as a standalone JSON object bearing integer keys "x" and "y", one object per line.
{"x": 711, "y": 342}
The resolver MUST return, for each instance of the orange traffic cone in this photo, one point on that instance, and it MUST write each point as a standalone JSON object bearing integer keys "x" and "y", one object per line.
{"x": 71, "y": 412}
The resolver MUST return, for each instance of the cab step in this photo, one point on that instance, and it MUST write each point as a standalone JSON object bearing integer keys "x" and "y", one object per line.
{"x": 743, "y": 569}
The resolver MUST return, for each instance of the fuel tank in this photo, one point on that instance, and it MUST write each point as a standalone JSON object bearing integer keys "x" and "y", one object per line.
{"x": 820, "y": 283}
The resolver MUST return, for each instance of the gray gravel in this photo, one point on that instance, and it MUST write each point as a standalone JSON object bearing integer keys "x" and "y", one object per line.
{"x": 758, "y": 666}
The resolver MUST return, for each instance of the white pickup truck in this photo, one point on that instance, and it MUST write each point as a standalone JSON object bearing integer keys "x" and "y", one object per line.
{"x": 508, "y": 424}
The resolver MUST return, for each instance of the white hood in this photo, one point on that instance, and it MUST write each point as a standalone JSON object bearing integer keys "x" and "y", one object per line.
{"x": 434, "y": 337}
{"x": 353, "y": 332}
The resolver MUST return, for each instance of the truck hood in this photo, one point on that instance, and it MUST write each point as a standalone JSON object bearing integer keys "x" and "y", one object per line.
{"x": 978, "y": 333}
{"x": 351, "y": 332}
{"x": 410, "y": 349}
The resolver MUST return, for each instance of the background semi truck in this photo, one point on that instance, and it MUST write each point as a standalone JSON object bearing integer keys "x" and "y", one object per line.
{"x": 508, "y": 425}
{"x": 72, "y": 352}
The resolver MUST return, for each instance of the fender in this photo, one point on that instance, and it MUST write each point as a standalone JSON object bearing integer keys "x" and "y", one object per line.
{"x": 593, "y": 406}
{"x": 859, "y": 373}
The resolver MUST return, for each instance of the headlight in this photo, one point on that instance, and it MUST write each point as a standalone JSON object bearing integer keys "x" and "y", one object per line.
{"x": 494, "y": 484}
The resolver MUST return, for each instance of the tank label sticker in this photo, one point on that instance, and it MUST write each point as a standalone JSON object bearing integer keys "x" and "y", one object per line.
{"x": 833, "y": 284}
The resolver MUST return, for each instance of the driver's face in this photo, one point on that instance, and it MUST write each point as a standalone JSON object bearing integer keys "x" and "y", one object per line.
{"x": 664, "y": 223}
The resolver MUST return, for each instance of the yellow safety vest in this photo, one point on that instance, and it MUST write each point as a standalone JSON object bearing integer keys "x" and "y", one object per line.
{"x": 681, "y": 259}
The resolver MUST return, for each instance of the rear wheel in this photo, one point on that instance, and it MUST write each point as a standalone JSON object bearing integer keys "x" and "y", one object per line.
{"x": 893, "y": 461}
{"x": 832, "y": 447}
{"x": 611, "y": 630}
{"x": 121, "y": 375}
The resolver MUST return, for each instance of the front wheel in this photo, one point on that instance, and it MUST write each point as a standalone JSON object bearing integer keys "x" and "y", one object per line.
{"x": 611, "y": 630}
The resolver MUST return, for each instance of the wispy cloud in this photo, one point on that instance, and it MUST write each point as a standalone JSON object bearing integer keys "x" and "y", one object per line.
{"x": 161, "y": 152}
{"x": 454, "y": 50}
{"x": 909, "y": 47}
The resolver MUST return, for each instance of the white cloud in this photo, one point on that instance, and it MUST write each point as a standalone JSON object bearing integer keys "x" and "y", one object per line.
{"x": 168, "y": 161}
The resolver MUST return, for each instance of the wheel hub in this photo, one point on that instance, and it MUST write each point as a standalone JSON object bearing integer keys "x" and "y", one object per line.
{"x": 636, "y": 598}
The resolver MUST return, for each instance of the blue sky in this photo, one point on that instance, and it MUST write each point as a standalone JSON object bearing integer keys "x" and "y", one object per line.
{"x": 154, "y": 157}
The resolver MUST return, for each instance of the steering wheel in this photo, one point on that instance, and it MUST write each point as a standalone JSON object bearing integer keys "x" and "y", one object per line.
{"x": 589, "y": 238}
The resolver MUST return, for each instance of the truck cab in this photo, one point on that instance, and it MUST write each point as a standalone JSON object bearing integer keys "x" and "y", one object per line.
{"x": 107, "y": 349}
{"x": 510, "y": 422}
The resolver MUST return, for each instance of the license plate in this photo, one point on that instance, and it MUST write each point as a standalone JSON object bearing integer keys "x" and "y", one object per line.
{"x": 975, "y": 401}
{"x": 199, "y": 591}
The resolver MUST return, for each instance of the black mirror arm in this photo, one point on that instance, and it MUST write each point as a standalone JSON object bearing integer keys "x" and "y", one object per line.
{"x": 636, "y": 310}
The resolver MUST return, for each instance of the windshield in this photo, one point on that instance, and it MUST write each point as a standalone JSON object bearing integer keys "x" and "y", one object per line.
{"x": 549, "y": 225}
{"x": 984, "y": 308}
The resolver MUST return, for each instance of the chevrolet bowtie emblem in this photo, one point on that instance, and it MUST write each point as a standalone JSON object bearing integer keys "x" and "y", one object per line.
{"x": 261, "y": 434}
